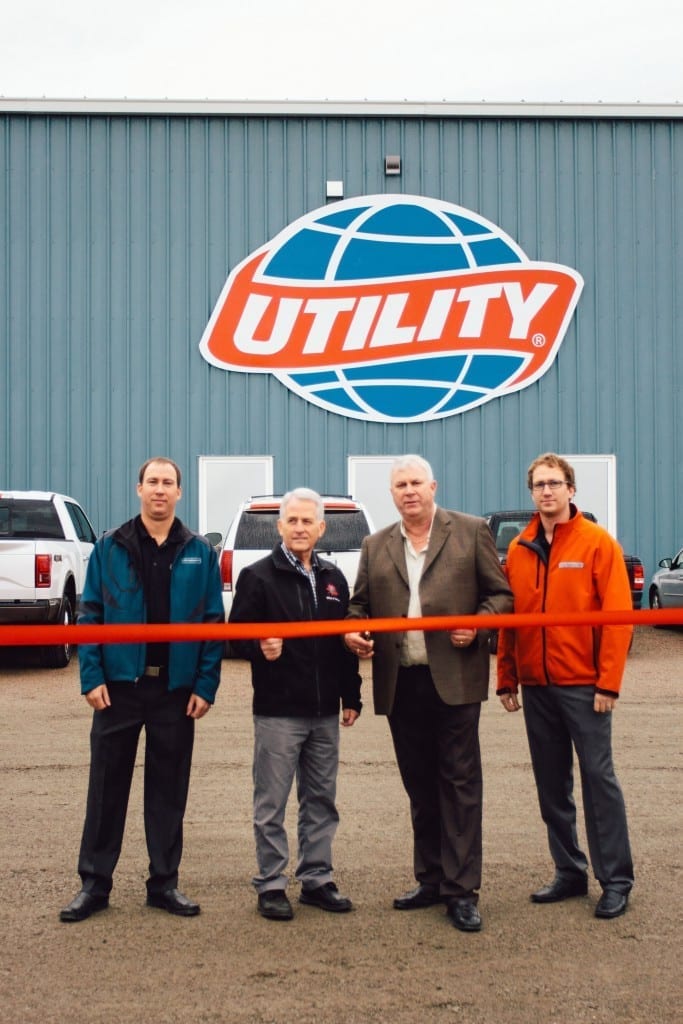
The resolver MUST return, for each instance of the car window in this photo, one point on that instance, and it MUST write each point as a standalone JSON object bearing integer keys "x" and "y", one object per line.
{"x": 257, "y": 530}
{"x": 29, "y": 518}
{"x": 84, "y": 530}
{"x": 344, "y": 530}
{"x": 508, "y": 530}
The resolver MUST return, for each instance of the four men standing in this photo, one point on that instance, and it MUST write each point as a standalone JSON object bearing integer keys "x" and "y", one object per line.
{"x": 429, "y": 684}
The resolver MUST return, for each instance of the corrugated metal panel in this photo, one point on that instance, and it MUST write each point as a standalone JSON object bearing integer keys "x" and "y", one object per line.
{"x": 118, "y": 232}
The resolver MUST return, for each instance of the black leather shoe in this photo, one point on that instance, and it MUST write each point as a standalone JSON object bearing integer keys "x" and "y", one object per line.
{"x": 274, "y": 904}
{"x": 561, "y": 889}
{"x": 327, "y": 898}
{"x": 82, "y": 906}
{"x": 174, "y": 902}
{"x": 464, "y": 915}
{"x": 612, "y": 903}
{"x": 421, "y": 896}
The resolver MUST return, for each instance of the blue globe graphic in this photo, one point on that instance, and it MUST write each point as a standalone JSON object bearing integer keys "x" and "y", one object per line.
{"x": 376, "y": 237}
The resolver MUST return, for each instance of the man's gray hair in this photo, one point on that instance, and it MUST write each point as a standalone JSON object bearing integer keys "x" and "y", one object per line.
{"x": 303, "y": 494}
{"x": 405, "y": 461}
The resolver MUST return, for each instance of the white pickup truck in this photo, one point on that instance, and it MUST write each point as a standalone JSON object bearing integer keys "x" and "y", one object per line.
{"x": 45, "y": 543}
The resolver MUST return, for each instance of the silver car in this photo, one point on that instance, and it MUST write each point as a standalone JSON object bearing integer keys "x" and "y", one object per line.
{"x": 666, "y": 585}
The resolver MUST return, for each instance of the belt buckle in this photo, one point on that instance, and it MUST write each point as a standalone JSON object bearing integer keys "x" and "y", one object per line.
{"x": 153, "y": 671}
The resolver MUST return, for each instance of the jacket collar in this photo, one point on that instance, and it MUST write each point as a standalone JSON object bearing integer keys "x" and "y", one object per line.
{"x": 441, "y": 531}
{"x": 127, "y": 533}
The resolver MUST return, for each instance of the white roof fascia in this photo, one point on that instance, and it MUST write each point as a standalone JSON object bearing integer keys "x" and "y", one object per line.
{"x": 334, "y": 108}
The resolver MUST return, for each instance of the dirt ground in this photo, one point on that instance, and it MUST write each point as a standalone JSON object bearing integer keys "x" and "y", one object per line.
{"x": 551, "y": 964}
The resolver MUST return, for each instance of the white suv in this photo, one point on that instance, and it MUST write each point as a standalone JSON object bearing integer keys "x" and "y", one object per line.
{"x": 253, "y": 534}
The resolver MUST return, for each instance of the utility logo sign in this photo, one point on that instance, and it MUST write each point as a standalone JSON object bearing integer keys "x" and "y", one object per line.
{"x": 394, "y": 309}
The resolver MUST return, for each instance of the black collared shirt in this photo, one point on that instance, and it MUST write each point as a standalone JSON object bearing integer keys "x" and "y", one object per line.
{"x": 157, "y": 563}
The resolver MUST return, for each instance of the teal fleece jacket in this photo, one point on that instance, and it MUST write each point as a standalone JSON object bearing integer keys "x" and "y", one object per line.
{"x": 113, "y": 594}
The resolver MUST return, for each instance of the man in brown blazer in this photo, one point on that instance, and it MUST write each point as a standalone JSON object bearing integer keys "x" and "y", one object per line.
{"x": 431, "y": 684}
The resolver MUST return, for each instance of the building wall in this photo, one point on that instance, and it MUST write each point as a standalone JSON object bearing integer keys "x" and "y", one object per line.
{"x": 118, "y": 231}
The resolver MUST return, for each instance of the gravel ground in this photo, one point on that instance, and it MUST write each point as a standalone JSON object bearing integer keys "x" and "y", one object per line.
{"x": 551, "y": 964}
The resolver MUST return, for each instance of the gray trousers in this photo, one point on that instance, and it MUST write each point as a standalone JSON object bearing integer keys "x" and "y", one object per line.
{"x": 557, "y": 718}
{"x": 307, "y": 748}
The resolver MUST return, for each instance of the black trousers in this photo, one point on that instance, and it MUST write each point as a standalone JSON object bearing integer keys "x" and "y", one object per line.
{"x": 559, "y": 720}
{"x": 169, "y": 734}
{"x": 438, "y": 755}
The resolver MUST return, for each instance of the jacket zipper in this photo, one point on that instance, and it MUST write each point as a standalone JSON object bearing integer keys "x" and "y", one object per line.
{"x": 307, "y": 608}
{"x": 543, "y": 633}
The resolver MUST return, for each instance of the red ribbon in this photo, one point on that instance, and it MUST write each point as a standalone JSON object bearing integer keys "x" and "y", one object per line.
{"x": 26, "y": 636}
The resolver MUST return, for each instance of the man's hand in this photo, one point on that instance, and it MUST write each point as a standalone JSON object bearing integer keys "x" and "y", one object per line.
{"x": 604, "y": 704}
{"x": 510, "y": 701}
{"x": 271, "y": 648}
{"x": 360, "y": 645}
{"x": 99, "y": 698}
{"x": 462, "y": 637}
{"x": 197, "y": 706}
{"x": 349, "y": 716}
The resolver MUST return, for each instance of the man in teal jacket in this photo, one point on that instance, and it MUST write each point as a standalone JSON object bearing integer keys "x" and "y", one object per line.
{"x": 150, "y": 570}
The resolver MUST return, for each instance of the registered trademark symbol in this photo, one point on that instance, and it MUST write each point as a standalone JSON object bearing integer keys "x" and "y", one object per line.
{"x": 538, "y": 340}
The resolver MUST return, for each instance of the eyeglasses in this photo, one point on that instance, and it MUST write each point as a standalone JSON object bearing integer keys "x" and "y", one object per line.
{"x": 541, "y": 485}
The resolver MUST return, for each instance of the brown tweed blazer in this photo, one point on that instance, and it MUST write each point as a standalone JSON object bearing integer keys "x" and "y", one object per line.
{"x": 461, "y": 576}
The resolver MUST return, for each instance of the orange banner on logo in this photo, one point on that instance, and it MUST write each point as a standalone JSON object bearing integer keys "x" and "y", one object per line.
{"x": 266, "y": 325}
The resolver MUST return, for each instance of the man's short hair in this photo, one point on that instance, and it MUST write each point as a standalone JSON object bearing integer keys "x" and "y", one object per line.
{"x": 303, "y": 494}
{"x": 405, "y": 461}
{"x": 158, "y": 458}
{"x": 557, "y": 462}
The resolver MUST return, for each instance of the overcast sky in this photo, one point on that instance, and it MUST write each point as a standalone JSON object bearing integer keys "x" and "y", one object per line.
{"x": 614, "y": 51}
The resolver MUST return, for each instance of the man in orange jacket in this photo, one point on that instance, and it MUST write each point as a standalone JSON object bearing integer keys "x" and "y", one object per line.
{"x": 571, "y": 676}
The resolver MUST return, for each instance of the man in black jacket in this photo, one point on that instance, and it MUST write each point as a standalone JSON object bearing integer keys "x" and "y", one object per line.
{"x": 298, "y": 684}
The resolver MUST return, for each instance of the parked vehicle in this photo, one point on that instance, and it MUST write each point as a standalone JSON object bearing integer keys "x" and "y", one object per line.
{"x": 506, "y": 524}
{"x": 45, "y": 543}
{"x": 253, "y": 534}
{"x": 666, "y": 585}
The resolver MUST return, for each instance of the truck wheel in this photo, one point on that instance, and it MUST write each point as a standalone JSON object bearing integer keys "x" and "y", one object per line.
{"x": 59, "y": 655}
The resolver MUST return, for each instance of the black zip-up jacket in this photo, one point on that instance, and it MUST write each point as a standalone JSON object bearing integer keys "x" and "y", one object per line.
{"x": 312, "y": 674}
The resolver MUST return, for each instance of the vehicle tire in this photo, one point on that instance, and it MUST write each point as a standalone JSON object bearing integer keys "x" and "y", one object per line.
{"x": 59, "y": 655}
{"x": 655, "y": 604}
